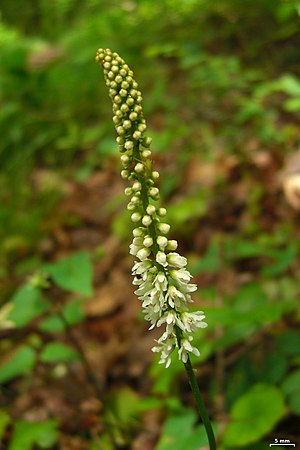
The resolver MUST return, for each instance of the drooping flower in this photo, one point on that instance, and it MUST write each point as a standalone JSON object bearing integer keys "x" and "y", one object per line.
{"x": 160, "y": 274}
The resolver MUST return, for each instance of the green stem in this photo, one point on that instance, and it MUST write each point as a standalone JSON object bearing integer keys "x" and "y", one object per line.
{"x": 201, "y": 408}
{"x": 196, "y": 392}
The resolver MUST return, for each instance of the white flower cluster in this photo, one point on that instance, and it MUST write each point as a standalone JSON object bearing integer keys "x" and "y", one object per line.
{"x": 160, "y": 273}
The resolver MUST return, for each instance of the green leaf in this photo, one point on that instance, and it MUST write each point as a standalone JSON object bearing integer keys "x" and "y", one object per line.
{"x": 73, "y": 312}
{"x": 122, "y": 407}
{"x": 27, "y": 304}
{"x": 274, "y": 367}
{"x": 289, "y": 342}
{"x": 292, "y": 104}
{"x": 291, "y": 388}
{"x": 210, "y": 262}
{"x": 55, "y": 351}
{"x": 20, "y": 363}
{"x": 254, "y": 415}
{"x": 289, "y": 84}
{"x": 28, "y": 434}
{"x": 180, "y": 213}
{"x": 73, "y": 273}
{"x": 283, "y": 260}
{"x": 52, "y": 324}
{"x": 4, "y": 421}
{"x": 179, "y": 432}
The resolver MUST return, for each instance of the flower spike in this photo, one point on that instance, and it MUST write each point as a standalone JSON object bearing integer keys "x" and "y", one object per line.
{"x": 160, "y": 274}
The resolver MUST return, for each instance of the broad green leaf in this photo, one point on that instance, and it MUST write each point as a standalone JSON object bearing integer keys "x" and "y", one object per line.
{"x": 4, "y": 421}
{"x": 73, "y": 273}
{"x": 185, "y": 210}
{"x": 274, "y": 367}
{"x": 55, "y": 351}
{"x": 52, "y": 324}
{"x": 253, "y": 415}
{"x": 289, "y": 342}
{"x": 122, "y": 406}
{"x": 27, "y": 434}
{"x": 240, "y": 248}
{"x": 27, "y": 304}
{"x": 20, "y": 363}
{"x": 210, "y": 262}
{"x": 179, "y": 432}
{"x": 291, "y": 388}
{"x": 283, "y": 259}
{"x": 73, "y": 312}
{"x": 289, "y": 84}
{"x": 292, "y": 104}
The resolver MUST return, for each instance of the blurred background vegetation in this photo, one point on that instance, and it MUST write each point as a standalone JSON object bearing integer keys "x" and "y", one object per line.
{"x": 221, "y": 87}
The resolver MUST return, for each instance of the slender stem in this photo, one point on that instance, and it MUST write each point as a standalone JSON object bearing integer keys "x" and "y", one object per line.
{"x": 201, "y": 408}
{"x": 196, "y": 392}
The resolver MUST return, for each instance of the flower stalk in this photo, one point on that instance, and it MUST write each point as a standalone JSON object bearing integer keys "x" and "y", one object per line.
{"x": 160, "y": 273}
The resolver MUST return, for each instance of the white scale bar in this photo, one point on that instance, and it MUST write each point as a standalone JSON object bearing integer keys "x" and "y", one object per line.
{"x": 293, "y": 445}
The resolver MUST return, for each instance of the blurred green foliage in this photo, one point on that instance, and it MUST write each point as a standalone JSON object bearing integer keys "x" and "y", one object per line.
{"x": 218, "y": 77}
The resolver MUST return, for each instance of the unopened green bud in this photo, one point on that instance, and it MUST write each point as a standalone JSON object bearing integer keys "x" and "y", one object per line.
{"x": 154, "y": 193}
{"x": 164, "y": 228}
{"x": 162, "y": 212}
{"x": 136, "y": 187}
{"x": 151, "y": 209}
{"x": 129, "y": 145}
{"x": 136, "y": 217}
{"x": 146, "y": 220}
{"x": 139, "y": 168}
{"x": 137, "y": 135}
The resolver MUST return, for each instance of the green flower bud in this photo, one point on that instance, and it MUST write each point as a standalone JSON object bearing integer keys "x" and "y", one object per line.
{"x": 146, "y": 220}
{"x": 136, "y": 217}
{"x": 147, "y": 141}
{"x": 127, "y": 124}
{"x": 136, "y": 187}
{"x": 154, "y": 193}
{"x": 162, "y": 212}
{"x": 137, "y": 135}
{"x": 125, "y": 160}
{"x": 128, "y": 191}
{"x": 151, "y": 209}
{"x": 125, "y": 174}
{"x": 137, "y": 232}
{"x": 133, "y": 93}
{"x": 123, "y": 93}
{"x": 124, "y": 108}
{"x": 139, "y": 168}
{"x": 120, "y": 140}
{"x": 164, "y": 228}
{"x": 172, "y": 245}
{"x": 135, "y": 199}
{"x": 120, "y": 130}
{"x": 142, "y": 127}
{"x": 133, "y": 116}
{"x": 129, "y": 145}
{"x": 130, "y": 101}
{"x": 162, "y": 242}
{"x": 117, "y": 99}
{"x": 148, "y": 241}
{"x": 131, "y": 206}
{"x": 118, "y": 79}
{"x": 146, "y": 154}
